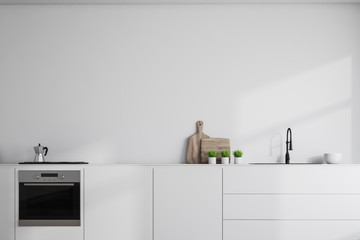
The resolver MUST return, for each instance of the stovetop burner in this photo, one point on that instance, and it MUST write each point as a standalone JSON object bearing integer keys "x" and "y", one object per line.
{"x": 53, "y": 163}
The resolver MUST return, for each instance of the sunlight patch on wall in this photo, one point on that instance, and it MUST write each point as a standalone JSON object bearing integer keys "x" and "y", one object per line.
{"x": 326, "y": 133}
{"x": 294, "y": 98}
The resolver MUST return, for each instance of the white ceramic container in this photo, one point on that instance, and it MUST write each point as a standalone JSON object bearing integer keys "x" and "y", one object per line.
{"x": 238, "y": 160}
{"x": 225, "y": 160}
{"x": 212, "y": 160}
{"x": 332, "y": 158}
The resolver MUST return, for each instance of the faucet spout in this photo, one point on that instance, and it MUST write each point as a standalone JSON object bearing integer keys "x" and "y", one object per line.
{"x": 288, "y": 145}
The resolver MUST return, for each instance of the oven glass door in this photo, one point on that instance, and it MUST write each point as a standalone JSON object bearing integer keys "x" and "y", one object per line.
{"x": 49, "y": 201}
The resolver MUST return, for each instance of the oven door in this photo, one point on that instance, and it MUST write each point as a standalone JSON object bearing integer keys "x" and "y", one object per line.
{"x": 49, "y": 204}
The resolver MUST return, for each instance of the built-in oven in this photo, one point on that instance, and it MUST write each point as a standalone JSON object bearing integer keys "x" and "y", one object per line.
{"x": 49, "y": 198}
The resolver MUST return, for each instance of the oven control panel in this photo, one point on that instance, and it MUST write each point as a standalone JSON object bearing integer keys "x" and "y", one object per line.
{"x": 49, "y": 176}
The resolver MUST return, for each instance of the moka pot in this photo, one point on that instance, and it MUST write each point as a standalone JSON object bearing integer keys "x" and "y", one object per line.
{"x": 40, "y": 152}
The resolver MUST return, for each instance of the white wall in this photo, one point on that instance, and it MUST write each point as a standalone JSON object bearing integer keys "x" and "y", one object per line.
{"x": 126, "y": 83}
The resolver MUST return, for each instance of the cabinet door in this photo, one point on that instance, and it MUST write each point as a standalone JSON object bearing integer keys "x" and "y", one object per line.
{"x": 118, "y": 203}
{"x": 188, "y": 203}
{"x": 7, "y": 201}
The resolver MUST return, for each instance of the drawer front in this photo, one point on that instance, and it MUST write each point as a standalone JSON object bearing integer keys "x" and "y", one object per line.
{"x": 291, "y": 206}
{"x": 47, "y": 233}
{"x": 292, "y": 179}
{"x": 291, "y": 230}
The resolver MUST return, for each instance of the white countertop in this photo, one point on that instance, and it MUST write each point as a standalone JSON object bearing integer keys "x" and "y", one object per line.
{"x": 182, "y": 165}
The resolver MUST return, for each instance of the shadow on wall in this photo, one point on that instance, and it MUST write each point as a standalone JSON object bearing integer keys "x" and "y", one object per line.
{"x": 276, "y": 147}
{"x": 184, "y": 150}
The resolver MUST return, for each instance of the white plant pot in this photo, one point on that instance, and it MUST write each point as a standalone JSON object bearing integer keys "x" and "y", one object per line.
{"x": 212, "y": 160}
{"x": 224, "y": 160}
{"x": 237, "y": 160}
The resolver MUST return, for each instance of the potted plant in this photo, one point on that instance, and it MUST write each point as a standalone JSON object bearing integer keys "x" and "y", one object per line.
{"x": 225, "y": 154}
{"x": 237, "y": 156}
{"x": 212, "y": 156}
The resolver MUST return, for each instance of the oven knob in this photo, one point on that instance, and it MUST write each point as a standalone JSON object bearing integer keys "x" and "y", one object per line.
{"x": 62, "y": 177}
{"x": 37, "y": 177}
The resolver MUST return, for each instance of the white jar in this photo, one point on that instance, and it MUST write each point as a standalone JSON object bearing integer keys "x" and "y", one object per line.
{"x": 212, "y": 160}
{"x": 237, "y": 160}
{"x": 225, "y": 160}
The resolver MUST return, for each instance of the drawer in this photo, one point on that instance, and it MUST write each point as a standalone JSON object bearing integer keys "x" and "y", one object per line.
{"x": 47, "y": 233}
{"x": 291, "y": 206}
{"x": 291, "y": 230}
{"x": 292, "y": 179}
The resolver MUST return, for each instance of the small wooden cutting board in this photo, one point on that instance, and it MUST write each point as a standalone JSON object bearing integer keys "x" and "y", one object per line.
{"x": 217, "y": 144}
{"x": 193, "y": 152}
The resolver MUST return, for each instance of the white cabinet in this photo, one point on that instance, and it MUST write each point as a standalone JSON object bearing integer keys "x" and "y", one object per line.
{"x": 292, "y": 202}
{"x": 7, "y": 201}
{"x": 47, "y": 233}
{"x": 118, "y": 202}
{"x": 307, "y": 179}
{"x": 291, "y": 230}
{"x": 195, "y": 202}
{"x": 188, "y": 203}
{"x": 293, "y": 206}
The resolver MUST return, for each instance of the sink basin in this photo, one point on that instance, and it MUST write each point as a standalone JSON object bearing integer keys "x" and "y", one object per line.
{"x": 274, "y": 163}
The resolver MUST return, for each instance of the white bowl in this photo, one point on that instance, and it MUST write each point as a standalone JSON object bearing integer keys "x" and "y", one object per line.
{"x": 332, "y": 158}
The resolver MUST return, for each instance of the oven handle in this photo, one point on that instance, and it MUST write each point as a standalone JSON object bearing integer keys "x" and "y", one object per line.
{"x": 48, "y": 184}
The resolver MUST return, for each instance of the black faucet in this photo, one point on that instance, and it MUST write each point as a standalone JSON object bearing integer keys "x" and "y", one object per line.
{"x": 287, "y": 156}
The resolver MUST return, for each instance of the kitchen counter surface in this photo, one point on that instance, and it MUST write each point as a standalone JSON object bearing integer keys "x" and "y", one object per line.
{"x": 182, "y": 165}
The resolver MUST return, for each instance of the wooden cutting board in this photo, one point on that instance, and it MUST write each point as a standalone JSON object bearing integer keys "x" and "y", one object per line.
{"x": 193, "y": 151}
{"x": 217, "y": 144}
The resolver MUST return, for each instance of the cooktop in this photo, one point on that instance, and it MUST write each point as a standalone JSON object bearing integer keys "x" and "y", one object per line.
{"x": 53, "y": 163}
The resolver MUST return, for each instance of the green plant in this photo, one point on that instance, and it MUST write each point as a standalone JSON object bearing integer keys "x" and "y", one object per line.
{"x": 238, "y": 153}
{"x": 225, "y": 153}
{"x": 212, "y": 153}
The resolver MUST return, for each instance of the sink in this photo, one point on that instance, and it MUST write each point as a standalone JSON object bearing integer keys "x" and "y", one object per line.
{"x": 274, "y": 163}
